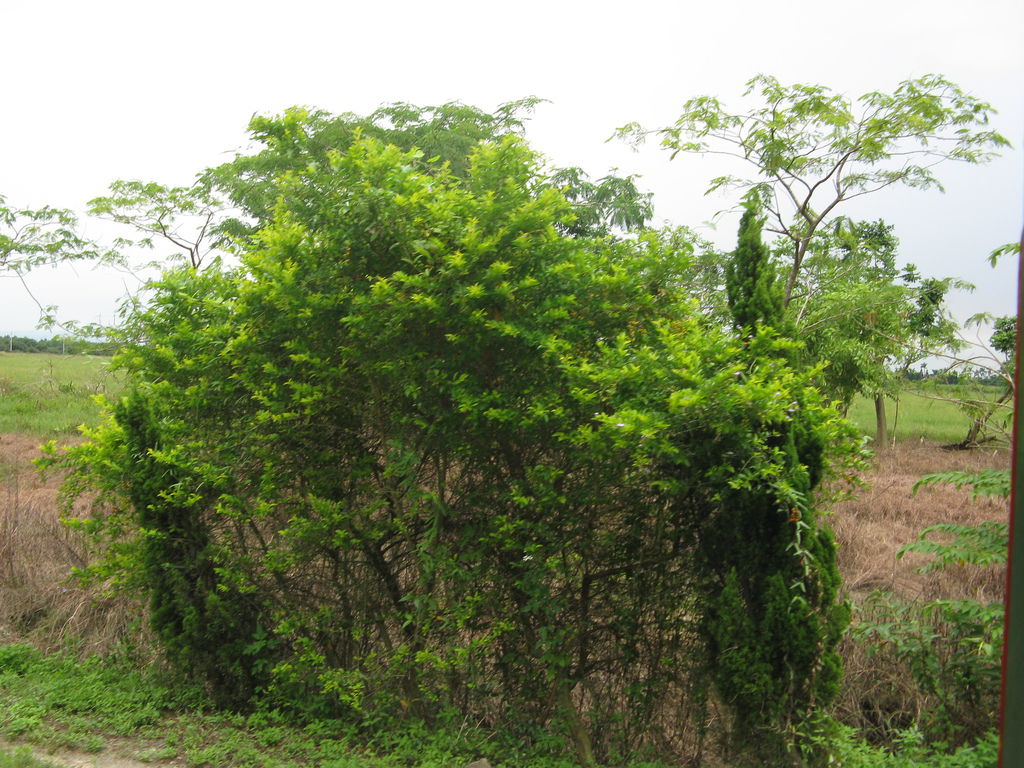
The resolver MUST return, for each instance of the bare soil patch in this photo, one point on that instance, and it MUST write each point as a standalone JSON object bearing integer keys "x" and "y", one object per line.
{"x": 111, "y": 757}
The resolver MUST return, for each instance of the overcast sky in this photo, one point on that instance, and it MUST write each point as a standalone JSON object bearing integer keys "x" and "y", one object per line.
{"x": 104, "y": 90}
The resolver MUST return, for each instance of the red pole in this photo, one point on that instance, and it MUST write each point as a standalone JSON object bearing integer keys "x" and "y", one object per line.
{"x": 1011, "y": 704}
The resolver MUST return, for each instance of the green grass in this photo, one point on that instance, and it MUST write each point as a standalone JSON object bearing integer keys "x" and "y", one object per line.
{"x": 58, "y": 702}
{"x": 22, "y": 757}
{"x": 922, "y": 414}
{"x": 48, "y": 395}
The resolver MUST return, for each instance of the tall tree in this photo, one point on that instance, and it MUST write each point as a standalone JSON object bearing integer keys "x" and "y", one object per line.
{"x": 862, "y": 317}
{"x": 812, "y": 150}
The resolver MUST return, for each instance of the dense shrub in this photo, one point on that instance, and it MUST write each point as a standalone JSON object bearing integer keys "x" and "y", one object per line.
{"x": 425, "y": 451}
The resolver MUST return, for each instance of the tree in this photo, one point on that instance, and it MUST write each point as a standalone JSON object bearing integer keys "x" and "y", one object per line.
{"x": 1004, "y": 336}
{"x": 766, "y": 624}
{"x": 187, "y": 218}
{"x": 290, "y": 143}
{"x": 986, "y": 426}
{"x": 813, "y": 150}
{"x": 32, "y": 238}
{"x": 444, "y": 137}
{"x": 609, "y": 204}
{"x": 232, "y": 201}
{"x": 861, "y": 318}
{"x": 753, "y": 296}
{"x": 452, "y": 457}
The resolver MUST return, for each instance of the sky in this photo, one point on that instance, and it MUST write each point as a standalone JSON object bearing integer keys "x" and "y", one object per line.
{"x": 106, "y": 90}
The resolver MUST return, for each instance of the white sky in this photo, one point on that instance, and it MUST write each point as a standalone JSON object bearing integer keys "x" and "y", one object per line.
{"x": 102, "y": 90}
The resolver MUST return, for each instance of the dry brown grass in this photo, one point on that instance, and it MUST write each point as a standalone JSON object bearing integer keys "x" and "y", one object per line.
{"x": 40, "y": 601}
{"x": 878, "y": 693}
{"x": 887, "y": 515}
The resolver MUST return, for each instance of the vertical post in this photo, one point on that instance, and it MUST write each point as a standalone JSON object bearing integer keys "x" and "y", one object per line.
{"x": 1011, "y": 705}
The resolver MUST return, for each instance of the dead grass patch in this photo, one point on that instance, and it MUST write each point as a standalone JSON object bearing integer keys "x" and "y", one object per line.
{"x": 878, "y": 693}
{"x": 40, "y": 601}
{"x": 873, "y": 527}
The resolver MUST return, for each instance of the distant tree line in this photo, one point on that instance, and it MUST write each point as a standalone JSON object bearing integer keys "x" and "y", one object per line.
{"x": 58, "y": 345}
{"x": 941, "y": 376}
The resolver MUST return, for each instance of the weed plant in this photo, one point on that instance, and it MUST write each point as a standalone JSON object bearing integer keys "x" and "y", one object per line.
{"x": 950, "y": 647}
{"x": 845, "y": 747}
{"x": 57, "y": 702}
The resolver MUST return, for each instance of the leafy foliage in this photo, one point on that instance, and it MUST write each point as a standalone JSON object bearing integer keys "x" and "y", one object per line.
{"x": 861, "y": 318}
{"x": 813, "y": 149}
{"x": 612, "y": 203}
{"x": 985, "y": 482}
{"x": 185, "y": 218}
{"x": 773, "y": 622}
{"x": 1004, "y": 335}
{"x": 952, "y": 649}
{"x": 451, "y": 457}
{"x": 207, "y": 625}
{"x": 31, "y": 238}
{"x": 754, "y": 298}
{"x": 911, "y": 750}
{"x": 443, "y": 137}
{"x": 982, "y": 544}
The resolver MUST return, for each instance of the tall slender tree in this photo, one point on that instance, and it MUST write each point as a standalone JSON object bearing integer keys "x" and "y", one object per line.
{"x": 772, "y": 622}
{"x": 751, "y": 285}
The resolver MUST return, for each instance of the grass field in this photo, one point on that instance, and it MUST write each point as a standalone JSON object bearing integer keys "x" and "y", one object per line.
{"x": 46, "y": 395}
{"x": 922, "y": 413}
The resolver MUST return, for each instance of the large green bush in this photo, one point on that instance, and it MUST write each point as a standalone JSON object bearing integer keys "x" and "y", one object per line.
{"x": 425, "y": 451}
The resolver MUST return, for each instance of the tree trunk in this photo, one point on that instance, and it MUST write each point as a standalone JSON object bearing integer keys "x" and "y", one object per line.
{"x": 881, "y": 427}
{"x": 577, "y": 730}
{"x": 974, "y": 433}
